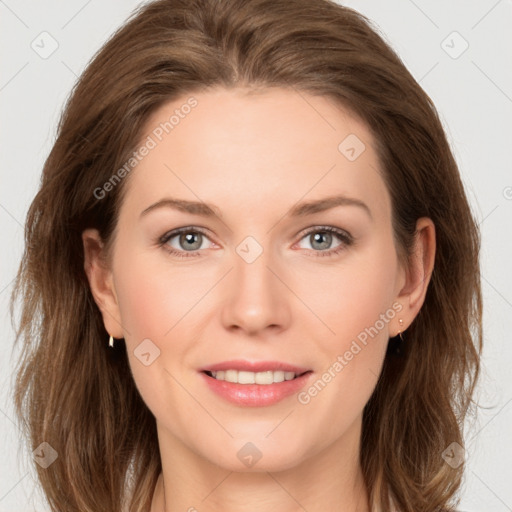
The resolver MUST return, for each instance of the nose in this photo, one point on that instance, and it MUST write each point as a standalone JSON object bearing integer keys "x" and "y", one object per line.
{"x": 257, "y": 297}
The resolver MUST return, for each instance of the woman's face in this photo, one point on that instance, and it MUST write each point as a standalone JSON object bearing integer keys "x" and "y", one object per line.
{"x": 256, "y": 280}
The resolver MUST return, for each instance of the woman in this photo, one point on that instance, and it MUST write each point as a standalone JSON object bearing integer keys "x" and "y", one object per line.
{"x": 187, "y": 344}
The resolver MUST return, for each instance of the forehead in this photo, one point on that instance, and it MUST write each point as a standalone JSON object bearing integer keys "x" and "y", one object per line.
{"x": 239, "y": 147}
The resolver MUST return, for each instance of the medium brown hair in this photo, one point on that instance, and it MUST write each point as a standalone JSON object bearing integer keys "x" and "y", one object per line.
{"x": 81, "y": 399}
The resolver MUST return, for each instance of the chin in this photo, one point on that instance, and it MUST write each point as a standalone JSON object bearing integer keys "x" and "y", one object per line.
{"x": 245, "y": 456}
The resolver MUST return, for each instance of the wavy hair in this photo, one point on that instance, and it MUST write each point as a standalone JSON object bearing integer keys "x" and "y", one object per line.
{"x": 73, "y": 393}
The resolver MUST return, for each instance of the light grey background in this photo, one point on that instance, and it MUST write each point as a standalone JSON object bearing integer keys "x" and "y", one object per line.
{"x": 472, "y": 90}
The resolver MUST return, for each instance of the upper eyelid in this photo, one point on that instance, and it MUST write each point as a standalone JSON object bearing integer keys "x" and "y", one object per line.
{"x": 330, "y": 229}
{"x": 187, "y": 229}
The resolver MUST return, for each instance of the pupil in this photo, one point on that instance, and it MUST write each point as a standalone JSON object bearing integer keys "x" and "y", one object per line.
{"x": 189, "y": 237}
{"x": 318, "y": 237}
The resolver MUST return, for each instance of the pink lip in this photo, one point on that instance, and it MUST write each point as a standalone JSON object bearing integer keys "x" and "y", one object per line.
{"x": 257, "y": 366}
{"x": 256, "y": 395}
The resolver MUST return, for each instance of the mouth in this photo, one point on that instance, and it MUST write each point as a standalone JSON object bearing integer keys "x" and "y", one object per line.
{"x": 255, "y": 384}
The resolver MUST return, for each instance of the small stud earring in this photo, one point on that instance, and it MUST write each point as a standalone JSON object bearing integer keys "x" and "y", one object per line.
{"x": 111, "y": 342}
{"x": 401, "y": 322}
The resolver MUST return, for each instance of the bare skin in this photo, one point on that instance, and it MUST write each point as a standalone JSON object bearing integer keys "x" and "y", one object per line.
{"x": 254, "y": 157}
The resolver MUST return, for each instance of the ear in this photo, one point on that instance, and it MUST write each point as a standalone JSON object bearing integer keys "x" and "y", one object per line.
{"x": 418, "y": 273}
{"x": 101, "y": 281}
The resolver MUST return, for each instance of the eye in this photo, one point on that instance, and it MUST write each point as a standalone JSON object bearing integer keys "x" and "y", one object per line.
{"x": 184, "y": 240}
{"x": 321, "y": 238}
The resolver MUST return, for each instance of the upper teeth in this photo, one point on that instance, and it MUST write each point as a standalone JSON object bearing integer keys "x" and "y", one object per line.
{"x": 243, "y": 377}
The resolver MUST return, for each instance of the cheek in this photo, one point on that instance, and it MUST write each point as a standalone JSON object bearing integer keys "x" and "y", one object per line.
{"x": 153, "y": 305}
{"x": 353, "y": 299}
{"x": 160, "y": 301}
{"x": 358, "y": 310}
{"x": 153, "y": 295}
{"x": 363, "y": 299}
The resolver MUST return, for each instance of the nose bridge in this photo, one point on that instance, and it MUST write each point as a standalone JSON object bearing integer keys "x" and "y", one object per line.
{"x": 252, "y": 264}
{"x": 256, "y": 296}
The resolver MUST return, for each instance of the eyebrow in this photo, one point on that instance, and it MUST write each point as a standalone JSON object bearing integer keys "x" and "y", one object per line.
{"x": 299, "y": 210}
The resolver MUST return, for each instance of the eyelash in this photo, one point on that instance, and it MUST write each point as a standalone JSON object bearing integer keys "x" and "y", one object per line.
{"x": 345, "y": 238}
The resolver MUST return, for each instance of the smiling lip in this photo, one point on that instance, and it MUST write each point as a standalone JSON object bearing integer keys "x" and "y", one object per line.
{"x": 255, "y": 395}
